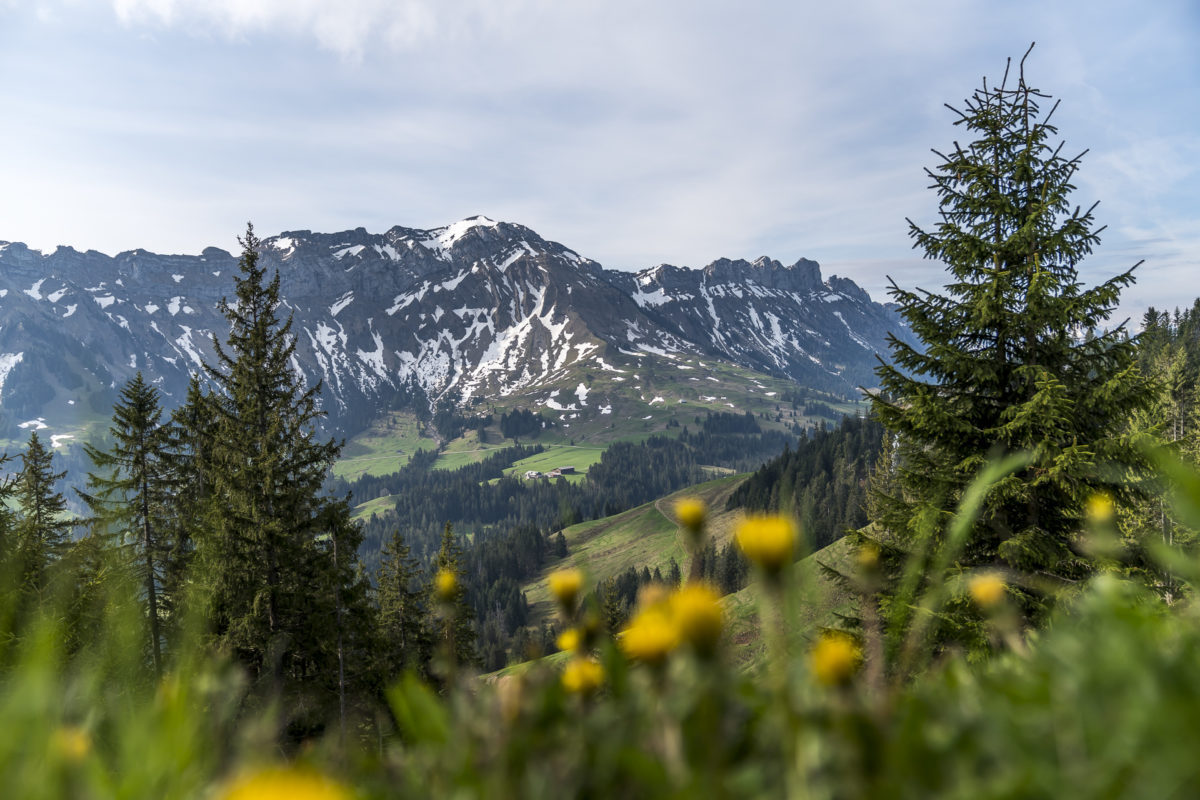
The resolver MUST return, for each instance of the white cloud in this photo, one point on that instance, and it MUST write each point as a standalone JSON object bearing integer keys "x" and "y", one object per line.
{"x": 346, "y": 27}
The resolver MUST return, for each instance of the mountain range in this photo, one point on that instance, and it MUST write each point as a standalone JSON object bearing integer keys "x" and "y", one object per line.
{"x": 474, "y": 312}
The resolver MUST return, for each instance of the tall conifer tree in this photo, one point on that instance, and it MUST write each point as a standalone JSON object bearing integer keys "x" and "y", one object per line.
{"x": 403, "y": 610}
{"x": 1008, "y": 362}
{"x": 458, "y": 630}
{"x": 267, "y": 547}
{"x": 132, "y": 496}
{"x": 42, "y": 530}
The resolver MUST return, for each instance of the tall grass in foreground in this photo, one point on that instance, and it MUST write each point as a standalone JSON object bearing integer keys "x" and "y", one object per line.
{"x": 1102, "y": 702}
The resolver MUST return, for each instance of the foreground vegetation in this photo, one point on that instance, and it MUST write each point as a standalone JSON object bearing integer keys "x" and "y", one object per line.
{"x": 1101, "y": 703}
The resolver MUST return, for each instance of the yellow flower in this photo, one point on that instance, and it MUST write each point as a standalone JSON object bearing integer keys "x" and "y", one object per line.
{"x": 71, "y": 743}
{"x": 1100, "y": 508}
{"x": 446, "y": 584}
{"x": 691, "y": 513}
{"x": 834, "y": 659}
{"x": 509, "y": 691}
{"x": 582, "y": 676}
{"x": 651, "y": 635}
{"x": 569, "y": 640}
{"x": 565, "y": 585}
{"x": 986, "y": 589}
{"x": 697, "y": 612}
{"x": 652, "y": 594}
{"x": 768, "y": 541}
{"x": 285, "y": 783}
{"x": 868, "y": 557}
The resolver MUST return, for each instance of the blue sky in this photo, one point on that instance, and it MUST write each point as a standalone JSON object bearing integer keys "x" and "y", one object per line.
{"x": 634, "y": 132}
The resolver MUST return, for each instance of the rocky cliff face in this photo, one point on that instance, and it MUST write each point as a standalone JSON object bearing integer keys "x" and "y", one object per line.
{"x": 476, "y": 309}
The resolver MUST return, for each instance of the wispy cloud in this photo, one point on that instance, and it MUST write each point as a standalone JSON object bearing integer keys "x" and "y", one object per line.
{"x": 347, "y": 27}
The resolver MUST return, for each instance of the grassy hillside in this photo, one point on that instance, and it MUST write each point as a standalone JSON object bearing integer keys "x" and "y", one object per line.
{"x": 646, "y": 536}
{"x": 821, "y": 600}
{"x": 384, "y": 447}
{"x": 641, "y": 397}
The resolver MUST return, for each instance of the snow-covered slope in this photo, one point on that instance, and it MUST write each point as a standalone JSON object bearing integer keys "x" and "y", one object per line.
{"x": 474, "y": 310}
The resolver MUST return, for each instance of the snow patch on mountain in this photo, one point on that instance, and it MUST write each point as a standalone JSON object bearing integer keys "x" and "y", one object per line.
{"x": 341, "y": 303}
{"x": 348, "y": 251}
{"x": 445, "y": 238}
{"x": 858, "y": 339}
{"x": 7, "y": 362}
{"x": 187, "y": 347}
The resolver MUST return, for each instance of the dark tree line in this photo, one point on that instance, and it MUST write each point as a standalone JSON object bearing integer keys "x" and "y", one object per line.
{"x": 822, "y": 480}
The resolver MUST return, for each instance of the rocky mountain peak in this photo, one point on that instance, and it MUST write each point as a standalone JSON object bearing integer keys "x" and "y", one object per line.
{"x": 475, "y": 309}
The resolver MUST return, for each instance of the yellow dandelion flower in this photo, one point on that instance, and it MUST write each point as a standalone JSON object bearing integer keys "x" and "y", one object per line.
{"x": 569, "y": 640}
{"x": 986, "y": 589}
{"x": 651, "y": 635}
{"x": 565, "y": 585}
{"x": 768, "y": 541}
{"x": 652, "y": 595}
{"x": 698, "y": 616}
{"x": 583, "y": 676}
{"x": 868, "y": 557}
{"x": 285, "y": 783}
{"x": 446, "y": 584}
{"x": 1100, "y": 508}
{"x": 691, "y": 513}
{"x": 834, "y": 659}
{"x": 71, "y": 743}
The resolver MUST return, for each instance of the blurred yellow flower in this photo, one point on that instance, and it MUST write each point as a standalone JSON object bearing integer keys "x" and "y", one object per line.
{"x": 582, "y": 676}
{"x": 565, "y": 585}
{"x": 285, "y": 783}
{"x": 868, "y": 556}
{"x": 446, "y": 584}
{"x": 986, "y": 589}
{"x": 652, "y": 594}
{"x": 651, "y": 635}
{"x": 71, "y": 743}
{"x": 1100, "y": 508}
{"x": 834, "y": 659}
{"x": 691, "y": 513}
{"x": 697, "y": 612}
{"x": 509, "y": 691}
{"x": 569, "y": 640}
{"x": 768, "y": 540}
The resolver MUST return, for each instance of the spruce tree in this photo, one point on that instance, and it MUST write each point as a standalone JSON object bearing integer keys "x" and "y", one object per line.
{"x": 403, "y": 610}
{"x": 132, "y": 498}
{"x": 42, "y": 531}
{"x": 1009, "y": 360}
{"x": 457, "y": 630}
{"x": 190, "y": 435}
{"x": 275, "y": 554}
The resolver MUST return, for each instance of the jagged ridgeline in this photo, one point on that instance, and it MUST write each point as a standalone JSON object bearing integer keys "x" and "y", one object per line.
{"x": 456, "y": 316}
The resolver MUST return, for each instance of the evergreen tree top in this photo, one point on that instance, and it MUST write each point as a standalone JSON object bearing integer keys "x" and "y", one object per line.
{"x": 1009, "y": 359}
